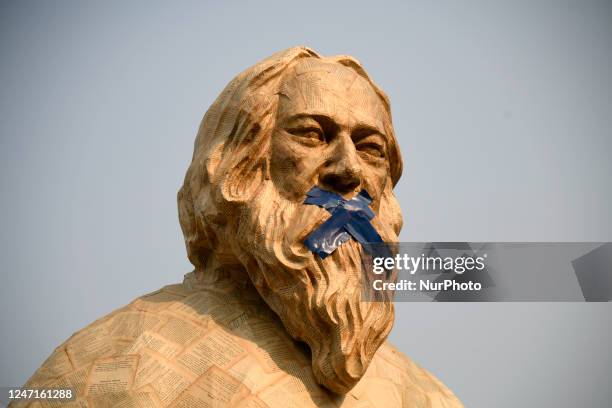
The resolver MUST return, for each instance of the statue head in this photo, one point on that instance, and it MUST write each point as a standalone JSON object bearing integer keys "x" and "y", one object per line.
{"x": 293, "y": 121}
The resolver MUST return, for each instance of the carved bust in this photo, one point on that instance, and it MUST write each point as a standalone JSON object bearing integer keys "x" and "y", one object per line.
{"x": 263, "y": 321}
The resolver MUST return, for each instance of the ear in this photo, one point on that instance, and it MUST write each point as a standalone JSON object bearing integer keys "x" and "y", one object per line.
{"x": 241, "y": 182}
{"x": 246, "y": 162}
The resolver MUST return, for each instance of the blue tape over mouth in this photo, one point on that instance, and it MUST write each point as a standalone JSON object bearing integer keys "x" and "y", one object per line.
{"x": 349, "y": 218}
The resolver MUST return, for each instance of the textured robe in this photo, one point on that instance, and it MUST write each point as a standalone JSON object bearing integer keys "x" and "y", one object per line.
{"x": 190, "y": 345}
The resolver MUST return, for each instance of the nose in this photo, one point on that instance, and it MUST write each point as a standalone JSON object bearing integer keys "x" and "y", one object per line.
{"x": 342, "y": 170}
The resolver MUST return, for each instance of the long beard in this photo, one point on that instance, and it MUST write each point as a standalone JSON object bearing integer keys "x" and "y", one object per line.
{"x": 319, "y": 301}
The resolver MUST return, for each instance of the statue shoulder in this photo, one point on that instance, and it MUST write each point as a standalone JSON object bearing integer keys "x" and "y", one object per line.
{"x": 160, "y": 323}
{"x": 414, "y": 385}
{"x": 178, "y": 345}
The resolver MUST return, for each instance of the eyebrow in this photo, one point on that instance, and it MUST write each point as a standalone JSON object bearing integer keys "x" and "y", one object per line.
{"x": 323, "y": 119}
{"x": 363, "y": 131}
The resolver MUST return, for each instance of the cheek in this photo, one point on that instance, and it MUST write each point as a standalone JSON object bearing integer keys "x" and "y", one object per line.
{"x": 293, "y": 167}
{"x": 375, "y": 180}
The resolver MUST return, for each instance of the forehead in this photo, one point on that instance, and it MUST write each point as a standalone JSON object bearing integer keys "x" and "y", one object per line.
{"x": 317, "y": 87}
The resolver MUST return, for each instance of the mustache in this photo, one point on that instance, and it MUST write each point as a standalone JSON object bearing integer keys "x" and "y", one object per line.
{"x": 349, "y": 218}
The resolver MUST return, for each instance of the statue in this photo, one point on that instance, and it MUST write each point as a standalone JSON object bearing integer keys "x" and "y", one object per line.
{"x": 263, "y": 321}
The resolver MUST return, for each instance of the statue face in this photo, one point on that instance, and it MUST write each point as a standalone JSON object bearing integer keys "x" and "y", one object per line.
{"x": 329, "y": 132}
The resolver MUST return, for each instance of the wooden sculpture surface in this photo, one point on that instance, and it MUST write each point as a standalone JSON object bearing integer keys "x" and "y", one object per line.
{"x": 262, "y": 321}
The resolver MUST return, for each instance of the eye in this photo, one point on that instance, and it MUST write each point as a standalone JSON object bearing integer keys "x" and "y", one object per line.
{"x": 310, "y": 133}
{"x": 371, "y": 148}
{"x": 370, "y": 142}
